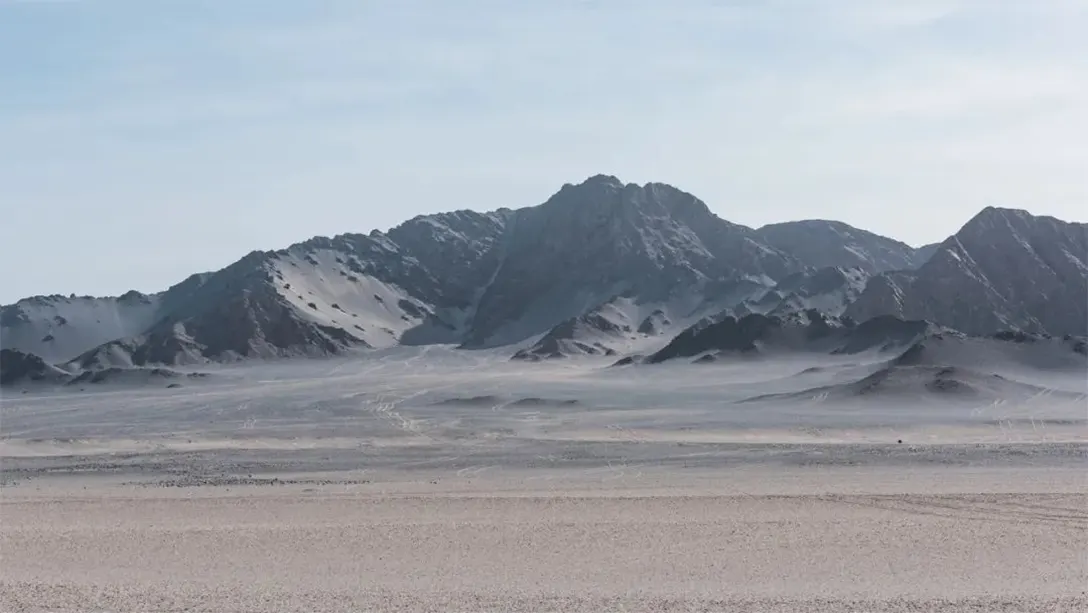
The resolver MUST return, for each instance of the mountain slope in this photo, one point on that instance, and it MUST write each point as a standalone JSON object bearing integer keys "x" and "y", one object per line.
{"x": 57, "y": 328}
{"x": 234, "y": 313}
{"x": 20, "y": 367}
{"x": 1004, "y": 269}
{"x": 828, "y": 290}
{"x": 603, "y": 238}
{"x": 810, "y": 331}
{"x": 949, "y": 367}
{"x": 601, "y": 266}
{"x": 319, "y": 297}
{"x": 591, "y": 333}
{"x": 822, "y": 244}
{"x": 621, "y": 325}
{"x": 923, "y": 253}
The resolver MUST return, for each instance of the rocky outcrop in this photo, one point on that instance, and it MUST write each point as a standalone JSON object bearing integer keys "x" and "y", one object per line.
{"x": 17, "y": 367}
{"x": 1005, "y": 269}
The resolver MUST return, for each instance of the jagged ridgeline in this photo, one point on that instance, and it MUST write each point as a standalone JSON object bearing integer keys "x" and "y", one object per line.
{"x": 600, "y": 268}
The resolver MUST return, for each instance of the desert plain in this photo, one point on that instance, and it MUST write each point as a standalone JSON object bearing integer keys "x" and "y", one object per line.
{"x": 431, "y": 479}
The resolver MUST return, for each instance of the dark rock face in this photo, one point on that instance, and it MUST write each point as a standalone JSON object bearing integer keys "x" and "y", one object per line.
{"x": 257, "y": 323}
{"x": 601, "y": 238}
{"x": 923, "y": 253}
{"x": 460, "y": 250}
{"x": 809, "y": 331}
{"x": 654, "y": 323}
{"x": 133, "y": 296}
{"x": 1004, "y": 270}
{"x": 935, "y": 380}
{"x": 574, "y": 337}
{"x": 827, "y": 244}
{"x": 18, "y": 367}
{"x": 1080, "y": 346}
{"x": 11, "y": 316}
{"x": 442, "y": 260}
{"x": 830, "y": 289}
{"x": 488, "y": 279}
{"x": 885, "y": 332}
{"x": 552, "y": 349}
{"x": 729, "y": 334}
{"x": 250, "y": 321}
{"x": 1016, "y": 336}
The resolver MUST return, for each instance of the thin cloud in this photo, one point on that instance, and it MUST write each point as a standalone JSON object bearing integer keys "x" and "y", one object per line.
{"x": 903, "y": 117}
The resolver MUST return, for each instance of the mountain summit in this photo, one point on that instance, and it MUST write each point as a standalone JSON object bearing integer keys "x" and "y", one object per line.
{"x": 602, "y": 238}
{"x": 599, "y": 267}
{"x": 823, "y": 243}
{"x": 1004, "y": 269}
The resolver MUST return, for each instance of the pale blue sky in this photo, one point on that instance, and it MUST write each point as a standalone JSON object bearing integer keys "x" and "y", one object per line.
{"x": 144, "y": 140}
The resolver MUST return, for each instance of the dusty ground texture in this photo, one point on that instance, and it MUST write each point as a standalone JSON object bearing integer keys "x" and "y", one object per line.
{"x": 426, "y": 480}
{"x": 753, "y": 539}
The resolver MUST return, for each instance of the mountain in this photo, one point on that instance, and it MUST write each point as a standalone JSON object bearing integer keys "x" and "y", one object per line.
{"x": 923, "y": 253}
{"x": 1004, "y": 269}
{"x": 810, "y": 331}
{"x": 591, "y": 333}
{"x": 889, "y": 360}
{"x": 599, "y": 267}
{"x": 621, "y": 325}
{"x": 893, "y": 383}
{"x": 234, "y": 313}
{"x": 602, "y": 238}
{"x": 476, "y": 279}
{"x": 319, "y": 297}
{"x": 952, "y": 367}
{"x": 829, "y": 290}
{"x": 58, "y": 327}
{"x": 824, "y": 244}
{"x": 19, "y": 367}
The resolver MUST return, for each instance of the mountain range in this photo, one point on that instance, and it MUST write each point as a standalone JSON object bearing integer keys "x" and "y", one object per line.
{"x": 601, "y": 267}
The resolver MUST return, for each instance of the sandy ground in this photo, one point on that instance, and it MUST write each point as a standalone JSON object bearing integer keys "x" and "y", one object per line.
{"x": 436, "y": 480}
{"x": 752, "y": 539}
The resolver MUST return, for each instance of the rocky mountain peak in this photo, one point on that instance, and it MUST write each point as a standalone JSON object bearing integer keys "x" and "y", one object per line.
{"x": 601, "y": 238}
{"x": 17, "y": 366}
{"x": 598, "y": 190}
{"x": 552, "y": 273}
{"x": 605, "y": 197}
{"x": 993, "y": 223}
{"x": 1004, "y": 269}
{"x": 603, "y": 180}
{"x": 823, "y": 243}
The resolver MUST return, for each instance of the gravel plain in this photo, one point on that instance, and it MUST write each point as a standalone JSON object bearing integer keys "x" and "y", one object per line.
{"x": 401, "y": 486}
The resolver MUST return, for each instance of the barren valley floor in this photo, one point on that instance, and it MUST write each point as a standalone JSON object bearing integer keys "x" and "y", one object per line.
{"x": 420, "y": 487}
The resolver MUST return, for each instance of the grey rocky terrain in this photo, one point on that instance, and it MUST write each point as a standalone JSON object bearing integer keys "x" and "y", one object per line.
{"x": 1004, "y": 269}
{"x": 18, "y": 367}
{"x": 821, "y": 243}
{"x": 599, "y": 268}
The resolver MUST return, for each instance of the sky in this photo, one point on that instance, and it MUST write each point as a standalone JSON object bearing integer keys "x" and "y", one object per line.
{"x": 143, "y": 141}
